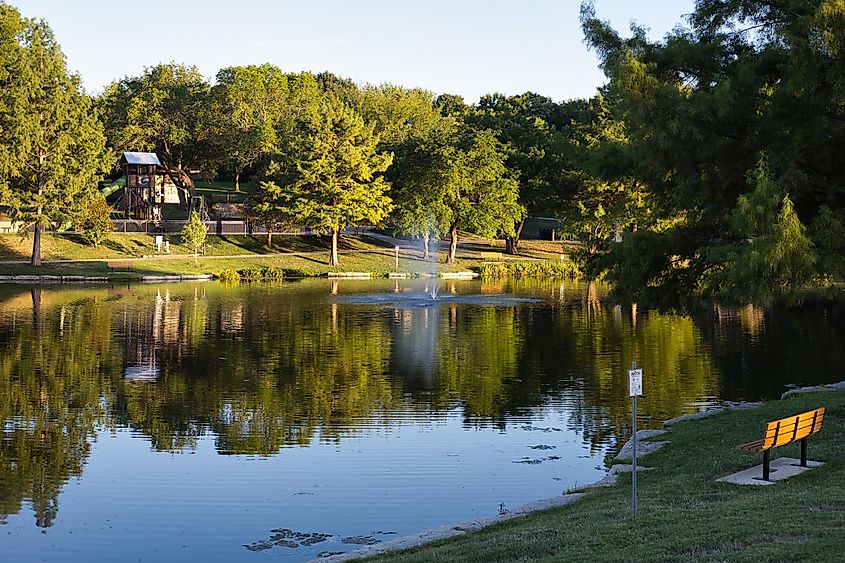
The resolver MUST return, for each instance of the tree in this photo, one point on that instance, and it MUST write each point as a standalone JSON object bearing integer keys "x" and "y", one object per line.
{"x": 247, "y": 106}
{"x": 601, "y": 198}
{"x": 525, "y": 123}
{"x": 398, "y": 114}
{"x": 95, "y": 223}
{"x": 421, "y": 209}
{"x": 194, "y": 232}
{"x": 272, "y": 205}
{"x": 771, "y": 255}
{"x": 406, "y": 121}
{"x": 473, "y": 188}
{"x": 52, "y": 147}
{"x": 337, "y": 180}
{"x": 700, "y": 107}
{"x": 164, "y": 110}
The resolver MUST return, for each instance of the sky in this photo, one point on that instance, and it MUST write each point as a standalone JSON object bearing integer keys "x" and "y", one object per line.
{"x": 464, "y": 47}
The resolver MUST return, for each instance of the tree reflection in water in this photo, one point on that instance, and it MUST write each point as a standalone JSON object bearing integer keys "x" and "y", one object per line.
{"x": 264, "y": 367}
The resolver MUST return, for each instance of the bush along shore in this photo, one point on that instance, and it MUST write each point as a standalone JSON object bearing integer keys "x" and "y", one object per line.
{"x": 683, "y": 513}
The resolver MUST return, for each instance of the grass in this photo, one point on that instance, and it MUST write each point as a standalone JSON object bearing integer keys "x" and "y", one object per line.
{"x": 683, "y": 514}
{"x": 308, "y": 254}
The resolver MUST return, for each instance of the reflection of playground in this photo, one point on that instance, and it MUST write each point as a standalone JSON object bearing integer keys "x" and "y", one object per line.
{"x": 145, "y": 333}
{"x": 265, "y": 366}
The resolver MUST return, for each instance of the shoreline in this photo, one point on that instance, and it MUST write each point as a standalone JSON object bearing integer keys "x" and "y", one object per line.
{"x": 569, "y": 496}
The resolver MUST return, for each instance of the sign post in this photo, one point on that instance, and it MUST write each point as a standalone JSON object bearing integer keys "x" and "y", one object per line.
{"x": 397, "y": 257}
{"x": 635, "y": 389}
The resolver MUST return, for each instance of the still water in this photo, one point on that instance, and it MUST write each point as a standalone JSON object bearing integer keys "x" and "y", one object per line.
{"x": 292, "y": 420}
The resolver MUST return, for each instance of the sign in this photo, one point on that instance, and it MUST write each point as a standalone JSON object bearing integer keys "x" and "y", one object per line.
{"x": 635, "y": 382}
{"x": 635, "y": 389}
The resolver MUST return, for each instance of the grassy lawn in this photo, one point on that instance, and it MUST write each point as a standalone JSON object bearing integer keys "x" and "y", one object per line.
{"x": 136, "y": 245}
{"x": 306, "y": 253}
{"x": 683, "y": 514}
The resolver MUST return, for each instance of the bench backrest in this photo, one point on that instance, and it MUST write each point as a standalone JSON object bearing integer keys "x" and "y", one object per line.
{"x": 791, "y": 428}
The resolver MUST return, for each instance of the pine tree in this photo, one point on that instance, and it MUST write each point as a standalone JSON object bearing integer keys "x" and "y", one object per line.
{"x": 52, "y": 145}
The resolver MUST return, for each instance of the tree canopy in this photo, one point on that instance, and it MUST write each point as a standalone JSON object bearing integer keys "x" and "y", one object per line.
{"x": 745, "y": 80}
{"x": 164, "y": 110}
{"x": 338, "y": 179}
{"x": 52, "y": 146}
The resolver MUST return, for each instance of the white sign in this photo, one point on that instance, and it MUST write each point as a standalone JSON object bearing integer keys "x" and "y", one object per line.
{"x": 635, "y": 382}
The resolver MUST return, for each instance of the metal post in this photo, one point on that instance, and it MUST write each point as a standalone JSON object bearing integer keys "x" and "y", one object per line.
{"x": 397, "y": 258}
{"x": 803, "y": 452}
{"x": 634, "y": 468}
{"x": 766, "y": 460}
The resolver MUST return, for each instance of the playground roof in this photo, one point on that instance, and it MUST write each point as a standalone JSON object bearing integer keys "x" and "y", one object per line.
{"x": 141, "y": 158}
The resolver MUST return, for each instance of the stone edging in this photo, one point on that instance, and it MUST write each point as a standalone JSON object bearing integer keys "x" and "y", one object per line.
{"x": 53, "y": 279}
{"x": 814, "y": 389}
{"x": 451, "y": 531}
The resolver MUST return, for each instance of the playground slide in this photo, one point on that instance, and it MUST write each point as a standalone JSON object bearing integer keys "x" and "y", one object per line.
{"x": 109, "y": 189}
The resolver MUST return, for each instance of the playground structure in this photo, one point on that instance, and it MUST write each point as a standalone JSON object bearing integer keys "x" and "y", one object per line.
{"x": 146, "y": 188}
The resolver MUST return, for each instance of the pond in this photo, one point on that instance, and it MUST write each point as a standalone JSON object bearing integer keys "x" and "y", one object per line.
{"x": 298, "y": 419}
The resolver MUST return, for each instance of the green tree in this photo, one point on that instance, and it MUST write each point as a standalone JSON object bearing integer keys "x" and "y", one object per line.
{"x": 194, "y": 232}
{"x": 407, "y": 121}
{"x": 337, "y": 180}
{"x": 771, "y": 255}
{"x": 96, "y": 223}
{"x": 52, "y": 145}
{"x": 526, "y": 124}
{"x": 247, "y": 105}
{"x": 476, "y": 190}
{"x": 421, "y": 209}
{"x": 743, "y": 78}
{"x": 164, "y": 110}
{"x": 601, "y": 198}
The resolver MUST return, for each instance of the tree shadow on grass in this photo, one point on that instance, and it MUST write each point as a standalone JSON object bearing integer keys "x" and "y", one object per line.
{"x": 10, "y": 249}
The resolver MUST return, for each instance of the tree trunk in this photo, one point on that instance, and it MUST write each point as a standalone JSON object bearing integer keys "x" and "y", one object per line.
{"x": 35, "y": 260}
{"x": 453, "y": 244}
{"x": 426, "y": 250}
{"x": 512, "y": 243}
{"x": 237, "y": 180}
{"x": 333, "y": 257}
{"x": 35, "y": 293}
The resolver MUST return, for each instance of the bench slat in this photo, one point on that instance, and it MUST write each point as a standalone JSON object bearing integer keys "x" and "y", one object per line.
{"x": 786, "y": 430}
{"x": 755, "y": 446}
{"x": 783, "y": 431}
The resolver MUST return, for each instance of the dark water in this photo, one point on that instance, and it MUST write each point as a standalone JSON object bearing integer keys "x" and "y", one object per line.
{"x": 199, "y": 421}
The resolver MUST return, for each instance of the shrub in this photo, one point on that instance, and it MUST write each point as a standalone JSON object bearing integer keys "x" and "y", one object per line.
{"x": 95, "y": 223}
{"x": 194, "y": 232}
{"x": 230, "y": 276}
{"x": 534, "y": 269}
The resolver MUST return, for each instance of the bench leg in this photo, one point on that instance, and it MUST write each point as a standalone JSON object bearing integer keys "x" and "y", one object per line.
{"x": 803, "y": 452}
{"x": 766, "y": 459}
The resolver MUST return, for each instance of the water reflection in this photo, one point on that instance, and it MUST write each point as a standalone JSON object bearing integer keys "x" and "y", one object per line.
{"x": 261, "y": 368}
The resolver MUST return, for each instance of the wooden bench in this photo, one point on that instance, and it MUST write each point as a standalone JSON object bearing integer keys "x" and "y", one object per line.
{"x": 785, "y": 431}
{"x": 491, "y": 255}
{"x": 119, "y": 266}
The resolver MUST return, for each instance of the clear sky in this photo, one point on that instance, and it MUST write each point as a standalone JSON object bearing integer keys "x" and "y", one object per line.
{"x": 465, "y": 47}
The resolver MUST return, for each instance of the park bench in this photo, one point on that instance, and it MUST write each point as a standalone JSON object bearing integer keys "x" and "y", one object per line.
{"x": 491, "y": 255}
{"x": 119, "y": 266}
{"x": 784, "y": 431}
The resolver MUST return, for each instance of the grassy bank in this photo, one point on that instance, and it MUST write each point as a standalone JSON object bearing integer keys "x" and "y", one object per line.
{"x": 307, "y": 254}
{"x": 683, "y": 514}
